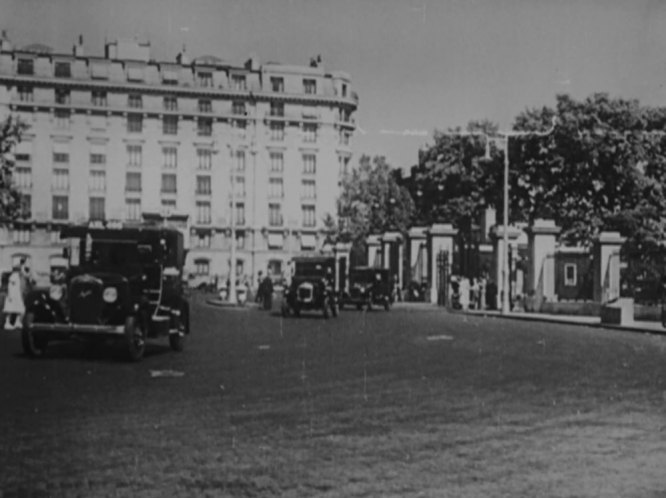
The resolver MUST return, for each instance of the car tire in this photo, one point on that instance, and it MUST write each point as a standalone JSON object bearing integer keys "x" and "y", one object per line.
{"x": 177, "y": 340}
{"x": 326, "y": 308}
{"x": 135, "y": 338}
{"x": 32, "y": 346}
{"x": 387, "y": 304}
{"x": 334, "y": 309}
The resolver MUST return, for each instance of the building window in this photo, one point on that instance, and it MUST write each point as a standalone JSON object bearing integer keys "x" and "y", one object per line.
{"x": 309, "y": 219}
{"x": 201, "y": 240}
{"x": 97, "y": 181}
{"x": 170, "y": 155}
{"x": 97, "y": 208}
{"x": 240, "y": 240}
{"x": 60, "y": 179}
{"x": 25, "y": 94}
{"x": 202, "y": 267}
{"x": 132, "y": 181}
{"x": 277, "y": 109}
{"x": 570, "y": 274}
{"x": 98, "y": 99}
{"x": 168, "y": 183}
{"x": 25, "y": 206}
{"x": 23, "y": 177}
{"x": 239, "y": 214}
{"x": 62, "y": 118}
{"x": 60, "y": 205}
{"x": 170, "y": 125}
{"x": 239, "y": 186}
{"x": 238, "y": 82}
{"x": 309, "y": 164}
{"x": 275, "y": 187}
{"x": 205, "y": 159}
{"x": 21, "y": 235}
{"x": 238, "y": 108}
{"x": 240, "y": 160}
{"x": 275, "y": 215}
{"x": 205, "y": 106}
{"x": 134, "y": 101}
{"x": 204, "y": 127}
{"x": 344, "y": 138}
{"x": 97, "y": 159}
{"x": 344, "y": 89}
{"x": 62, "y": 96}
{"x": 61, "y": 157}
{"x": 277, "y": 131}
{"x": 133, "y": 209}
{"x": 203, "y": 185}
{"x": 239, "y": 125}
{"x": 309, "y": 132}
{"x": 277, "y": 162}
{"x": 343, "y": 163}
{"x": 134, "y": 155}
{"x": 203, "y": 213}
{"x": 309, "y": 86}
{"x": 22, "y": 157}
{"x": 25, "y": 67}
{"x": 309, "y": 189}
{"x": 168, "y": 206}
{"x": 205, "y": 79}
{"x": 277, "y": 84}
{"x": 134, "y": 123}
{"x": 170, "y": 104}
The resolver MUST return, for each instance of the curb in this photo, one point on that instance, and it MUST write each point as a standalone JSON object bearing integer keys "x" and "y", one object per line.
{"x": 565, "y": 321}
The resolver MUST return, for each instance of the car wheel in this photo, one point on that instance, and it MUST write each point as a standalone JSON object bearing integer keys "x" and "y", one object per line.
{"x": 135, "y": 337}
{"x": 326, "y": 309}
{"x": 387, "y": 304}
{"x": 334, "y": 309}
{"x": 33, "y": 347}
{"x": 177, "y": 340}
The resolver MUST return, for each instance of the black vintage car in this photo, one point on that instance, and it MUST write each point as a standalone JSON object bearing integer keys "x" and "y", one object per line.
{"x": 123, "y": 283}
{"x": 312, "y": 287}
{"x": 368, "y": 287}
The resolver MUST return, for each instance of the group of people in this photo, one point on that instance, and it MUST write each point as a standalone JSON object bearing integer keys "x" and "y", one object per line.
{"x": 475, "y": 293}
{"x": 264, "y": 295}
{"x": 18, "y": 285}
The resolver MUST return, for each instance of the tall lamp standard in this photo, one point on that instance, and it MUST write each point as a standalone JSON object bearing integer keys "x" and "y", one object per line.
{"x": 503, "y": 137}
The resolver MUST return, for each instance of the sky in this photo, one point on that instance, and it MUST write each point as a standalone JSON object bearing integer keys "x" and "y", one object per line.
{"x": 417, "y": 65}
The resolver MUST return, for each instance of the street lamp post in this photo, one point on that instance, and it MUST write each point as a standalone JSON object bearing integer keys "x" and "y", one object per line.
{"x": 504, "y": 137}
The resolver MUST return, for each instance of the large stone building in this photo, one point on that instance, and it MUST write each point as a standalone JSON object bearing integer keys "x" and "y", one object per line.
{"x": 199, "y": 142}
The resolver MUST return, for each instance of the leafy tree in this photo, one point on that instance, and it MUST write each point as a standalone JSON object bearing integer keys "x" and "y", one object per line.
{"x": 371, "y": 201}
{"x": 10, "y": 199}
{"x": 453, "y": 181}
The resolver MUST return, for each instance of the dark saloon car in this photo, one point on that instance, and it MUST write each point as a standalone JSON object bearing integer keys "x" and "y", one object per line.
{"x": 368, "y": 287}
{"x": 123, "y": 283}
{"x": 312, "y": 287}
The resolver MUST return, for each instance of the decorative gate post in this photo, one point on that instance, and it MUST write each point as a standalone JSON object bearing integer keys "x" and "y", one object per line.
{"x": 392, "y": 255}
{"x": 439, "y": 240}
{"x": 418, "y": 259}
{"x": 541, "y": 241}
{"x": 606, "y": 254}
{"x": 497, "y": 235}
{"x": 373, "y": 248}
{"x": 342, "y": 251}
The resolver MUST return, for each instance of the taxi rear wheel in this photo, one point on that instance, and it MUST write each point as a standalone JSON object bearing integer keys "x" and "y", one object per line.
{"x": 34, "y": 347}
{"x": 135, "y": 337}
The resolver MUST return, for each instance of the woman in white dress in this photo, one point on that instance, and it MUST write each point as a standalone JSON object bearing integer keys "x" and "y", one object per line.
{"x": 14, "y": 306}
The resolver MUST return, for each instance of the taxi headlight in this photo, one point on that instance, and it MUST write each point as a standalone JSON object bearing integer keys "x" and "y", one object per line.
{"x": 110, "y": 295}
{"x": 55, "y": 292}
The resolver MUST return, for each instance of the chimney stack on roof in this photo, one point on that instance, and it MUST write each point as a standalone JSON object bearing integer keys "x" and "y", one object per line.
{"x": 78, "y": 48}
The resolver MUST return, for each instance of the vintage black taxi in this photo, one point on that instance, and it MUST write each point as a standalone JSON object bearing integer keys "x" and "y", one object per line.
{"x": 312, "y": 287}
{"x": 123, "y": 283}
{"x": 368, "y": 287}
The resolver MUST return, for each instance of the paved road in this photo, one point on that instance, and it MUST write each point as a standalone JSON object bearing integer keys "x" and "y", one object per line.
{"x": 414, "y": 402}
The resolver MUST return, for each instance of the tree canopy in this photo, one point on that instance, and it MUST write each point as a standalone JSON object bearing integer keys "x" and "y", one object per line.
{"x": 11, "y": 131}
{"x": 372, "y": 201}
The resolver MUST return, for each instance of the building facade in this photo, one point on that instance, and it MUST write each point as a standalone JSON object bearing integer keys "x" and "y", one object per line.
{"x": 216, "y": 148}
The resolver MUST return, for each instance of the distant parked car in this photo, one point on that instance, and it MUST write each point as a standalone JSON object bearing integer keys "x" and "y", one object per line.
{"x": 368, "y": 287}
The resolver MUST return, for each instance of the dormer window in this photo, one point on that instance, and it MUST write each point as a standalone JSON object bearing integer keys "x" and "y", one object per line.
{"x": 238, "y": 82}
{"x": 26, "y": 67}
{"x": 63, "y": 70}
{"x": 277, "y": 84}
{"x": 309, "y": 86}
{"x": 205, "y": 80}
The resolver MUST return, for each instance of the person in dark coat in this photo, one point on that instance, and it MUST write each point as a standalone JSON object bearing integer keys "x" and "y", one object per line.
{"x": 267, "y": 292}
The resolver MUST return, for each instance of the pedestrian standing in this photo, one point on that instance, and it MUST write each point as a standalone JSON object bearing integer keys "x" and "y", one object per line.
{"x": 267, "y": 292}
{"x": 14, "y": 304}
